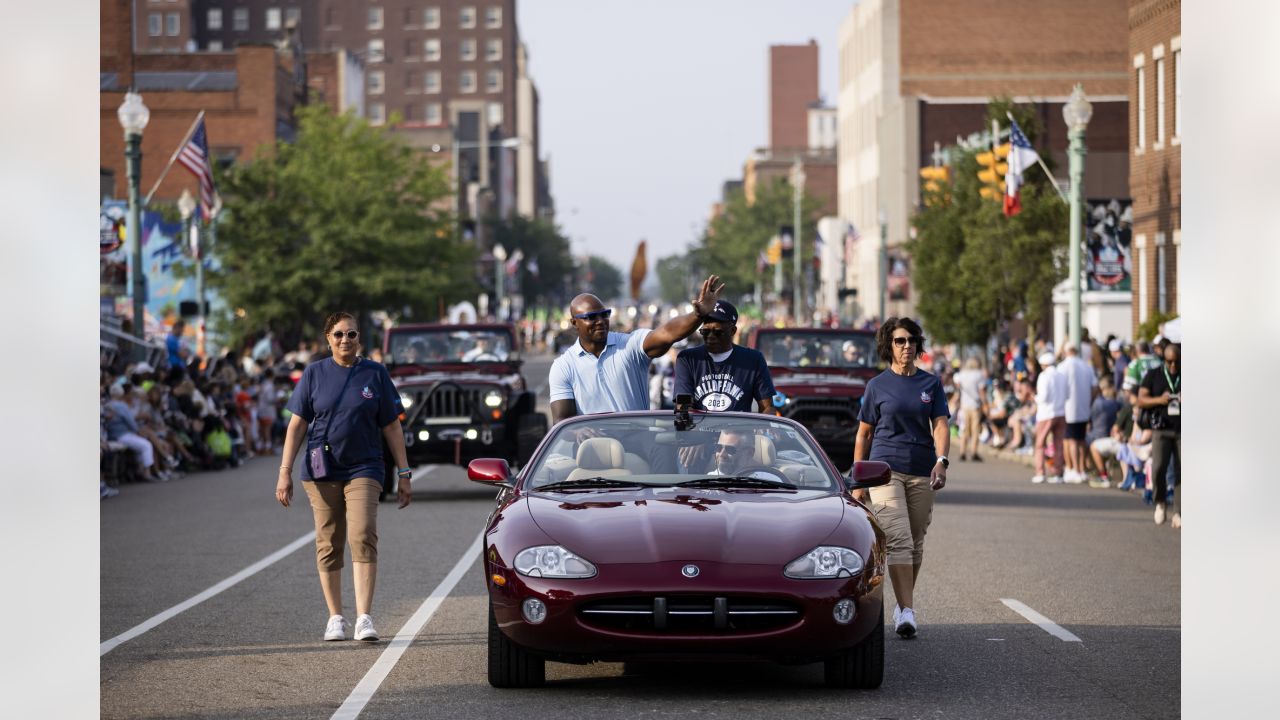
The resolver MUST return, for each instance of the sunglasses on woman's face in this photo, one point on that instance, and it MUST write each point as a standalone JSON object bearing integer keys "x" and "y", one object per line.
{"x": 902, "y": 341}
{"x": 350, "y": 334}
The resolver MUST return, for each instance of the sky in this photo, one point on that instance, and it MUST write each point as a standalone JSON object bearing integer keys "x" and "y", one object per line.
{"x": 648, "y": 107}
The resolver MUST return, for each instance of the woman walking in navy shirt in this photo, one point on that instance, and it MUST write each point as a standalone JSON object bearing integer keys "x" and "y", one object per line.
{"x": 344, "y": 407}
{"x": 903, "y": 422}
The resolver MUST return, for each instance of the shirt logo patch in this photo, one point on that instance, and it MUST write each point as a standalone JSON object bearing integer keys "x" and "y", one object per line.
{"x": 366, "y": 393}
{"x": 926, "y": 397}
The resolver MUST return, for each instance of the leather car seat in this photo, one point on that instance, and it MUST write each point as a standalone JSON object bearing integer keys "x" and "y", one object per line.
{"x": 599, "y": 457}
{"x": 765, "y": 452}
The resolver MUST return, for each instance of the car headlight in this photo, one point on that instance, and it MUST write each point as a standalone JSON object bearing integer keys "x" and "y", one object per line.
{"x": 552, "y": 561}
{"x": 825, "y": 561}
{"x": 406, "y": 400}
{"x": 493, "y": 398}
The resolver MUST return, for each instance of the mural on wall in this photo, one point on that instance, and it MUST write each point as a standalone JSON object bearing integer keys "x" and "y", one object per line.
{"x": 1109, "y": 244}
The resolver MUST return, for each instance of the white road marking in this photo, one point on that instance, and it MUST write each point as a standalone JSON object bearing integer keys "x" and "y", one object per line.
{"x": 1045, "y": 623}
{"x": 368, "y": 685}
{"x": 194, "y": 600}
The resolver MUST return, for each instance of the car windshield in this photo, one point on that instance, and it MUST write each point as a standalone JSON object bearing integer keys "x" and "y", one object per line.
{"x": 833, "y": 350}
{"x": 442, "y": 346}
{"x": 741, "y": 454}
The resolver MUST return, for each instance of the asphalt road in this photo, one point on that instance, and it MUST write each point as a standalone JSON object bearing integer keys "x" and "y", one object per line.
{"x": 1090, "y": 561}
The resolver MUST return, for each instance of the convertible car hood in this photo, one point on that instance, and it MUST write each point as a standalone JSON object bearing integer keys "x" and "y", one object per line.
{"x": 658, "y": 526}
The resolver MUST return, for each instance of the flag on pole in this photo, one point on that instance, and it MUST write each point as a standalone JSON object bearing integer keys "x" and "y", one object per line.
{"x": 1021, "y": 157}
{"x": 194, "y": 156}
{"x": 819, "y": 247}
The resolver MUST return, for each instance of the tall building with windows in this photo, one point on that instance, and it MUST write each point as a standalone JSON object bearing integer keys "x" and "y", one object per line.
{"x": 162, "y": 26}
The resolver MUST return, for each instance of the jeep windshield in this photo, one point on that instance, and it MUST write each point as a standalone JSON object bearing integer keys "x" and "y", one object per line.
{"x": 434, "y": 346}
{"x": 798, "y": 349}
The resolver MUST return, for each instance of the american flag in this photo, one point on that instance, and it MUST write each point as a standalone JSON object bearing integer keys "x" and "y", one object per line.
{"x": 1021, "y": 157}
{"x": 851, "y": 237}
{"x": 194, "y": 156}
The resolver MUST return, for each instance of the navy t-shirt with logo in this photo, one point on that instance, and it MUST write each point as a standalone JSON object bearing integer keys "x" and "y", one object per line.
{"x": 901, "y": 409}
{"x": 733, "y": 384}
{"x": 355, "y": 421}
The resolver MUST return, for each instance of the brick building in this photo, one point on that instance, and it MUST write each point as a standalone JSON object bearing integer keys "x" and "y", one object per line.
{"x": 1155, "y": 146}
{"x": 915, "y": 74}
{"x": 793, "y": 87}
{"x": 162, "y": 26}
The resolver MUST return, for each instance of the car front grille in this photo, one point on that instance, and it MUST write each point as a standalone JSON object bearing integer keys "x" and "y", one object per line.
{"x": 448, "y": 403}
{"x": 689, "y": 614}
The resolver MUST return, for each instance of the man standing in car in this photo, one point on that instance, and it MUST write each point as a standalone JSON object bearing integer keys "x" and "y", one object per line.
{"x": 721, "y": 375}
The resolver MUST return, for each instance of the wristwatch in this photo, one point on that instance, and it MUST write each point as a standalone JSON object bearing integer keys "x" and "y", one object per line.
{"x": 945, "y": 462}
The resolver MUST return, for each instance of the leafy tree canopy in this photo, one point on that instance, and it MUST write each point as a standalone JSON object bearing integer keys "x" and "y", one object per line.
{"x": 604, "y": 279}
{"x": 547, "y": 260}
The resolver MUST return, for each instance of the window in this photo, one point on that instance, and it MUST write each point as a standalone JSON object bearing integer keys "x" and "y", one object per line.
{"x": 377, "y": 113}
{"x": 1160, "y": 104}
{"x": 493, "y": 17}
{"x": 375, "y": 82}
{"x": 273, "y": 18}
{"x": 1142, "y": 108}
{"x": 330, "y": 18}
{"x": 411, "y": 82}
{"x": 293, "y": 17}
{"x": 409, "y": 112}
{"x": 1142, "y": 278}
{"x": 495, "y": 114}
{"x": 173, "y": 23}
{"x": 377, "y": 51}
{"x": 492, "y": 50}
{"x": 375, "y": 18}
{"x": 431, "y": 17}
{"x": 155, "y": 25}
{"x": 467, "y": 49}
{"x": 434, "y": 114}
{"x": 1162, "y": 284}
{"x": 467, "y": 81}
{"x": 240, "y": 19}
{"x": 493, "y": 81}
{"x": 467, "y": 17}
{"x": 215, "y": 46}
{"x": 215, "y": 19}
{"x": 1177, "y": 95}
{"x": 431, "y": 50}
{"x": 431, "y": 81}
{"x": 410, "y": 49}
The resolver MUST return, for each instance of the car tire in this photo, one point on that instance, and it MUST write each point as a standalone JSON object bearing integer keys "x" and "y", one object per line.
{"x": 511, "y": 666}
{"x": 862, "y": 666}
{"x": 531, "y": 428}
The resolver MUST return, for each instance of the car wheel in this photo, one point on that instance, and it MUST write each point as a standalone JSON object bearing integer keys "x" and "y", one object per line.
{"x": 862, "y": 666}
{"x": 511, "y": 666}
{"x": 530, "y": 429}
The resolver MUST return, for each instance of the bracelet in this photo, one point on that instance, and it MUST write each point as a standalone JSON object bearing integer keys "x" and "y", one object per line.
{"x": 405, "y": 472}
{"x": 286, "y": 467}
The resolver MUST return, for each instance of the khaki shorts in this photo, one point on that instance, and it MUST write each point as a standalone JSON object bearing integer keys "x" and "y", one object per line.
{"x": 904, "y": 509}
{"x": 344, "y": 512}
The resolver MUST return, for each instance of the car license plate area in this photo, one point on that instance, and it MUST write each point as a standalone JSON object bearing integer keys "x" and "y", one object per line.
{"x": 689, "y": 614}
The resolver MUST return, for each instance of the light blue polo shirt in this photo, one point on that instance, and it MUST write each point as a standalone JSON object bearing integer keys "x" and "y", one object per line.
{"x": 616, "y": 381}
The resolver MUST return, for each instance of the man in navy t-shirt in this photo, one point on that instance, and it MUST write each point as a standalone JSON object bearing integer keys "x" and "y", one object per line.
{"x": 721, "y": 375}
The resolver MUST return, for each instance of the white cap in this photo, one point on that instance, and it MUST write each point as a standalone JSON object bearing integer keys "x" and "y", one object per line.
{"x": 1115, "y": 345}
{"x": 143, "y": 367}
{"x": 1045, "y": 359}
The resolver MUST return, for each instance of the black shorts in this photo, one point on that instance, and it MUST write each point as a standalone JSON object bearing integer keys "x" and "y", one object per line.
{"x": 1076, "y": 431}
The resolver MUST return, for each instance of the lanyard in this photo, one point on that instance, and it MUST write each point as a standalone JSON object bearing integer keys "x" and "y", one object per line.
{"x": 1173, "y": 386}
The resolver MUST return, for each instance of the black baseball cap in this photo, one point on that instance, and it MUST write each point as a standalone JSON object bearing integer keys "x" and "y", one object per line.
{"x": 724, "y": 311}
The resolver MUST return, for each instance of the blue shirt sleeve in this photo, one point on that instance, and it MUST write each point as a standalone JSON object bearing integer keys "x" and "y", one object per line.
{"x": 868, "y": 412}
{"x": 635, "y": 343}
{"x": 300, "y": 401}
{"x": 684, "y": 374}
{"x": 389, "y": 407}
{"x": 558, "y": 380}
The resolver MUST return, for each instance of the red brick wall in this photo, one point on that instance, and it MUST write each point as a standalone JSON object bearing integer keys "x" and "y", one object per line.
{"x": 147, "y": 43}
{"x": 793, "y": 84}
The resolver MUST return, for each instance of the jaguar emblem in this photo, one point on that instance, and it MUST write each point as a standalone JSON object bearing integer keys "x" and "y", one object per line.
{"x": 690, "y": 571}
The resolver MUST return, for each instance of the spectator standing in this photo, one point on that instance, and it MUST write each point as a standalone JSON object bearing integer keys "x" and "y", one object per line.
{"x": 176, "y": 346}
{"x": 1051, "y": 419}
{"x": 970, "y": 385}
{"x": 903, "y": 421}
{"x": 1137, "y": 369}
{"x": 1082, "y": 388}
{"x": 1160, "y": 394}
{"x": 1119, "y": 362}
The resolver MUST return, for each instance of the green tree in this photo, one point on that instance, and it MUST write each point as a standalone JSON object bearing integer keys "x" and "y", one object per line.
{"x": 603, "y": 279}
{"x": 676, "y": 278}
{"x": 976, "y": 268}
{"x": 734, "y": 240}
{"x": 543, "y": 245}
{"x": 345, "y": 217}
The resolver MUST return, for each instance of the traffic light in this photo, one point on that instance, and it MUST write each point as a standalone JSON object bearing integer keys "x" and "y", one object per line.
{"x": 774, "y": 251}
{"x": 934, "y": 181}
{"x": 993, "y": 169}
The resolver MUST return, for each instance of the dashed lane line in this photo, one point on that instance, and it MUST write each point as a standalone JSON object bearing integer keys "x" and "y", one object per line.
{"x": 1045, "y": 623}
{"x": 194, "y": 600}
{"x": 372, "y": 680}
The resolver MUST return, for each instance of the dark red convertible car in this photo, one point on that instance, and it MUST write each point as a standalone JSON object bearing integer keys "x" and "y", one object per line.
{"x": 653, "y": 536}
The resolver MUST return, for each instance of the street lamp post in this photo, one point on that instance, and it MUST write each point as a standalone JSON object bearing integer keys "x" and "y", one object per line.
{"x": 499, "y": 260}
{"x": 797, "y": 185}
{"x": 1076, "y": 112}
{"x": 187, "y": 206}
{"x": 882, "y": 259}
{"x": 133, "y": 116}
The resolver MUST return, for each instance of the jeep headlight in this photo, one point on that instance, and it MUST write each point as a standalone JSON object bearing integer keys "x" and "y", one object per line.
{"x": 493, "y": 398}
{"x": 825, "y": 561}
{"x": 552, "y": 561}
{"x": 406, "y": 400}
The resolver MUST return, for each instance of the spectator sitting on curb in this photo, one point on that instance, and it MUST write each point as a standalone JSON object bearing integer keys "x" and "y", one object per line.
{"x": 1101, "y": 439}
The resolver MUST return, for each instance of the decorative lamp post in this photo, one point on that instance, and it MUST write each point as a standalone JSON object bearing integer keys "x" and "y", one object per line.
{"x": 499, "y": 260}
{"x": 797, "y": 185}
{"x": 187, "y": 206}
{"x": 882, "y": 259}
{"x": 1076, "y": 112}
{"x": 133, "y": 118}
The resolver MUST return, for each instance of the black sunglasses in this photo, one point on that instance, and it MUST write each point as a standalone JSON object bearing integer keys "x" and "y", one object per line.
{"x": 351, "y": 334}
{"x": 704, "y": 332}
{"x": 902, "y": 341}
{"x": 594, "y": 315}
{"x": 730, "y": 449}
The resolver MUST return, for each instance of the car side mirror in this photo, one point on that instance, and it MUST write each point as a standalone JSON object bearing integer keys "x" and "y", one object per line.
{"x": 490, "y": 471}
{"x": 868, "y": 474}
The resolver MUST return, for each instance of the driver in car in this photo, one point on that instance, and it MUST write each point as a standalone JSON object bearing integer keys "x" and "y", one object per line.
{"x": 483, "y": 351}
{"x": 734, "y": 452}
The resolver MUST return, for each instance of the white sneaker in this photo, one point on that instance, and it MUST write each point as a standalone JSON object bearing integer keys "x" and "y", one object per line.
{"x": 1160, "y": 514}
{"x": 364, "y": 629}
{"x": 1054, "y": 480}
{"x": 1176, "y": 521}
{"x": 336, "y": 629}
{"x": 904, "y": 623}
{"x": 1075, "y": 477}
{"x": 1037, "y": 479}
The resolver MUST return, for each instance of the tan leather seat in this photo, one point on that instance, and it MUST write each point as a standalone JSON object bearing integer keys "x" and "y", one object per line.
{"x": 765, "y": 452}
{"x": 599, "y": 457}
{"x": 636, "y": 464}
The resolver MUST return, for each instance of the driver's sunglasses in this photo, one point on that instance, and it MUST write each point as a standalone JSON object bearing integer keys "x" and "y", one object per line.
{"x": 594, "y": 315}
{"x": 351, "y": 334}
{"x": 902, "y": 341}
{"x": 729, "y": 449}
